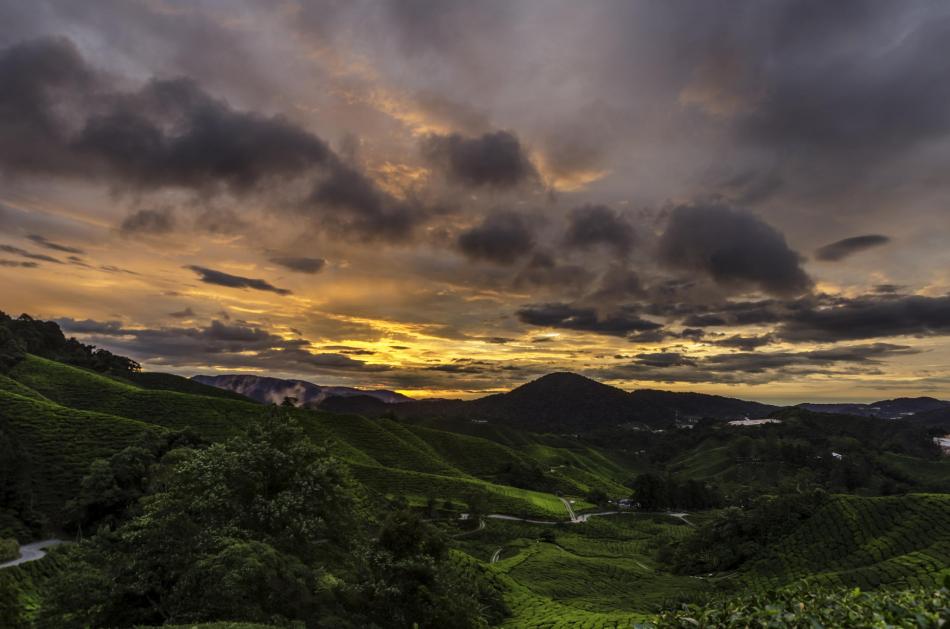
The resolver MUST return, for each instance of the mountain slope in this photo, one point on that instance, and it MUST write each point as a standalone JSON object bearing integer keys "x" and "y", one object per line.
{"x": 273, "y": 390}
{"x": 60, "y": 443}
{"x": 47, "y": 403}
{"x": 172, "y": 382}
{"x": 885, "y": 409}
{"x": 567, "y": 402}
{"x": 73, "y": 387}
{"x": 867, "y": 542}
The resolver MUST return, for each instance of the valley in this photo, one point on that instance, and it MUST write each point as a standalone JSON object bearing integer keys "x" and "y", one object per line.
{"x": 615, "y": 525}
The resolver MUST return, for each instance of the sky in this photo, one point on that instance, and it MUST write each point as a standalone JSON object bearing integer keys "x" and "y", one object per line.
{"x": 453, "y": 198}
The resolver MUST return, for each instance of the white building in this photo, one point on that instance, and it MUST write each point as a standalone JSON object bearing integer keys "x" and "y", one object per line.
{"x": 754, "y": 422}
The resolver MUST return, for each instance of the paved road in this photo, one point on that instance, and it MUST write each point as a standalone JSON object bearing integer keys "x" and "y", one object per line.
{"x": 681, "y": 516}
{"x": 574, "y": 518}
{"x": 32, "y": 552}
{"x": 570, "y": 510}
{"x": 496, "y": 556}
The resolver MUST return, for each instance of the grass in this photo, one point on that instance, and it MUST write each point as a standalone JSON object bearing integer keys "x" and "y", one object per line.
{"x": 497, "y": 498}
{"x": 818, "y": 607}
{"x": 12, "y": 386}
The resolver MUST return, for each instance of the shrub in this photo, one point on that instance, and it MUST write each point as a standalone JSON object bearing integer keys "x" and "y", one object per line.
{"x": 9, "y": 549}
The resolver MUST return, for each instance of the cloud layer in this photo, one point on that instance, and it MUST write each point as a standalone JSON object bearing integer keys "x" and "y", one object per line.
{"x": 463, "y": 195}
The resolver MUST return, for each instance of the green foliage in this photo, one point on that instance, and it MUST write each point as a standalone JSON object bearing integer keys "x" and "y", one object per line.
{"x": 12, "y": 349}
{"x": 655, "y": 493}
{"x": 111, "y": 487}
{"x": 412, "y": 580}
{"x": 44, "y": 338}
{"x": 9, "y": 549}
{"x": 20, "y": 587}
{"x": 53, "y": 447}
{"x": 897, "y": 541}
{"x": 239, "y": 531}
{"x": 211, "y": 417}
{"x": 737, "y": 535}
{"x": 807, "y": 608}
{"x": 264, "y": 527}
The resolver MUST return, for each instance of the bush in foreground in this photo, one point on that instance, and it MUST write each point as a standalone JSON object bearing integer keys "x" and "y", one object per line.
{"x": 923, "y": 609}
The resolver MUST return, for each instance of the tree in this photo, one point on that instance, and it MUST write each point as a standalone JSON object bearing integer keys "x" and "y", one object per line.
{"x": 650, "y": 491}
{"x": 413, "y": 581}
{"x": 12, "y": 349}
{"x": 240, "y": 531}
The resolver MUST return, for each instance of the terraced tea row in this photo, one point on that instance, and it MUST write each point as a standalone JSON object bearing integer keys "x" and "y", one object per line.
{"x": 867, "y": 542}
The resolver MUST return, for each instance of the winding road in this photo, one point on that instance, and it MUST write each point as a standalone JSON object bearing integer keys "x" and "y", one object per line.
{"x": 32, "y": 552}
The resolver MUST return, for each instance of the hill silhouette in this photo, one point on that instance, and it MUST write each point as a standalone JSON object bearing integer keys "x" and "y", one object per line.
{"x": 566, "y": 402}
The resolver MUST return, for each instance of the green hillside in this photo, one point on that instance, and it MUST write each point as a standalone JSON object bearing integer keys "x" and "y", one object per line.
{"x": 897, "y": 541}
{"x": 212, "y": 417}
{"x": 606, "y": 573}
{"x": 172, "y": 382}
{"x": 61, "y": 442}
{"x": 394, "y": 459}
{"x": 609, "y": 571}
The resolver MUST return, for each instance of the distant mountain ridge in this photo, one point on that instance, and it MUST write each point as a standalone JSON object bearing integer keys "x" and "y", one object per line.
{"x": 904, "y": 407}
{"x": 566, "y": 402}
{"x": 273, "y": 390}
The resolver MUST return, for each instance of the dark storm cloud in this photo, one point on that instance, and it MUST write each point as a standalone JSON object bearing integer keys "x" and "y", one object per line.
{"x": 27, "y": 254}
{"x": 91, "y": 326}
{"x": 732, "y": 247}
{"x": 172, "y": 133}
{"x": 849, "y": 246}
{"x": 57, "y": 116}
{"x": 359, "y": 208}
{"x": 745, "y": 343}
{"x": 502, "y": 238}
{"x": 300, "y": 264}
{"x": 19, "y": 264}
{"x": 154, "y": 222}
{"x": 37, "y": 80}
{"x": 888, "y": 288}
{"x": 869, "y": 317}
{"x": 352, "y": 351}
{"x": 870, "y": 94}
{"x": 664, "y": 359}
{"x": 232, "y": 344}
{"x": 593, "y": 225}
{"x": 544, "y": 271}
{"x": 54, "y": 246}
{"x": 493, "y": 159}
{"x": 557, "y": 315}
{"x": 219, "y": 278}
{"x": 758, "y": 367}
{"x": 760, "y": 361}
{"x": 731, "y": 313}
{"x": 618, "y": 284}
